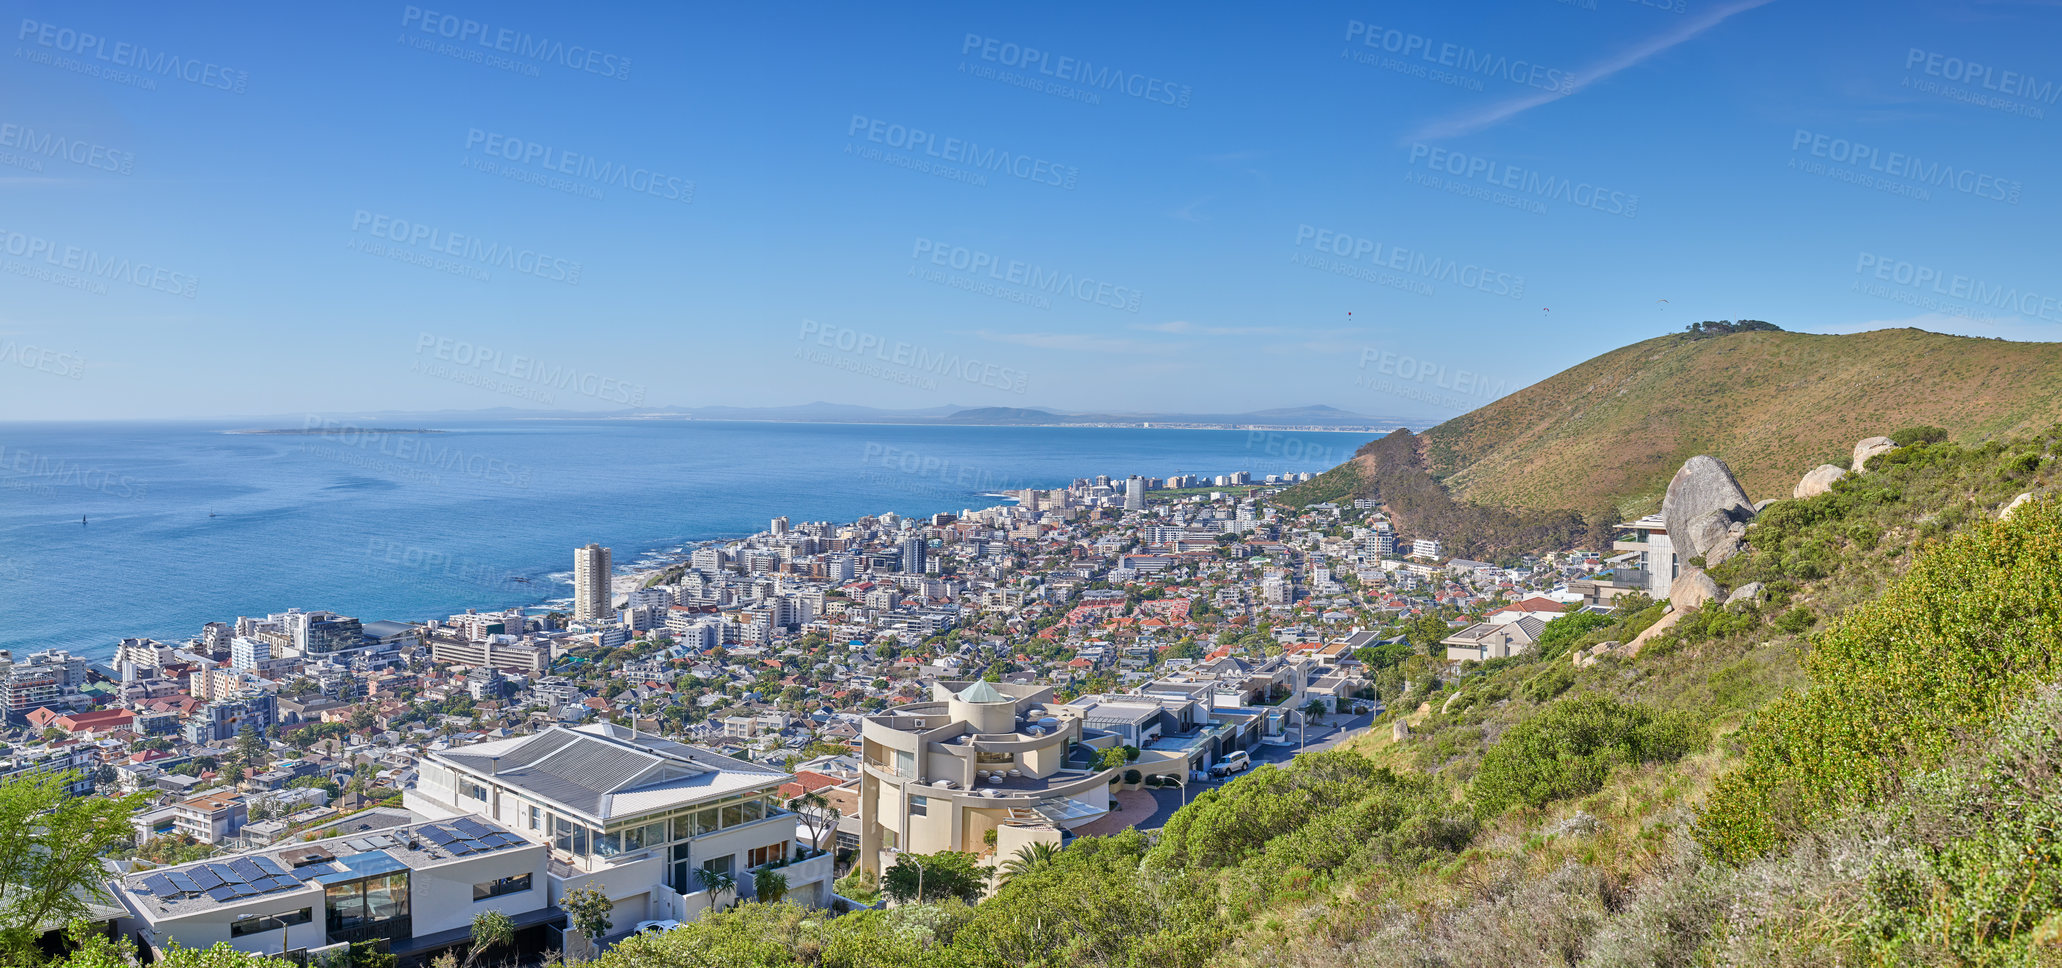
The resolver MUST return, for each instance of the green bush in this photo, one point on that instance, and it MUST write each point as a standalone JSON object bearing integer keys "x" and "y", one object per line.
{"x": 1570, "y": 747}
{"x": 1922, "y": 434}
{"x": 1966, "y": 632}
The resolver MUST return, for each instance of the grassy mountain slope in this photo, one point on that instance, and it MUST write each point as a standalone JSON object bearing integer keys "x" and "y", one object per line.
{"x": 1773, "y": 404}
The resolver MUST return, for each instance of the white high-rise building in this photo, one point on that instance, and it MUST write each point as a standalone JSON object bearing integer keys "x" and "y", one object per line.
{"x": 592, "y": 567}
{"x": 1135, "y": 494}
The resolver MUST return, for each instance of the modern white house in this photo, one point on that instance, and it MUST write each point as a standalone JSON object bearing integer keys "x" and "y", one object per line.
{"x": 1657, "y": 565}
{"x": 416, "y": 887}
{"x": 631, "y": 814}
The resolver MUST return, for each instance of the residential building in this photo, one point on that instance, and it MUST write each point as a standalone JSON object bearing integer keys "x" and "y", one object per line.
{"x": 593, "y": 568}
{"x": 629, "y": 813}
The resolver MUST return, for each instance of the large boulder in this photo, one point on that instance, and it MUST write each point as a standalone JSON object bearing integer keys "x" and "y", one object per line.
{"x": 1869, "y": 447}
{"x": 1705, "y": 506}
{"x": 1692, "y": 589}
{"x": 2014, "y": 506}
{"x": 1818, "y": 482}
{"x": 1745, "y": 593}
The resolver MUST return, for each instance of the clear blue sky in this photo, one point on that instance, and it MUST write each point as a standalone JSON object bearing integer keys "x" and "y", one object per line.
{"x": 1201, "y": 248}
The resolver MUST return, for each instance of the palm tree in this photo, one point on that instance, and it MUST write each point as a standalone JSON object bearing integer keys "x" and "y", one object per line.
{"x": 1030, "y": 857}
{"x": 770, "y": 885}
{"x": 715, "y": 882}
{"x": 818, "y": 816}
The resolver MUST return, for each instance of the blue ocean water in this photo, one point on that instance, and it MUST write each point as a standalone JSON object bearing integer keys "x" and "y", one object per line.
{"x": 186, "y": 523}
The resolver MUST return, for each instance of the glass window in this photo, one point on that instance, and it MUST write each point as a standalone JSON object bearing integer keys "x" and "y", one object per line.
{"x": 706, "y": 821}
{"x": 258, "y": 923}
{"x": 579, "y": 839}
{"x": 919, "y": 806}
{"x": 345, "y": 904}
{"x": 654, "y": 834}
{"x": 720, "y": 865}
{"x": 496, "y": 888}
{"x": 754, "y": 810}
{"x": 562, "y": 833}
{"x": 680, "y": 851}
{"x": 905, "y": 763}
{"x": 607, "y": 845}
{"x": 733, "y": 815}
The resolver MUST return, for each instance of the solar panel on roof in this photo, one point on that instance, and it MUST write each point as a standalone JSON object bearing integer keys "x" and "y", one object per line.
{"x": 269, "y": 866}
{"x": 501, "y": 840}
{"x": 204, "y": 878}
{"x": 282, "y": 882}
{"x": 182, "y": 882}
{"x": 463, "y": 847}
{"x": 245, "y": 869}
{"x": 159, "y": 886}
{"x": 436, "y": 835}
{"x": 222, "y": 871}
{"x": 222, "y": 892}
{"x": 471, "y": 827}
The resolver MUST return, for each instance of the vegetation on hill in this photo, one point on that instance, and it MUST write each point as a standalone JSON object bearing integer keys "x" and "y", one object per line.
{"x": 1772, "y": 404}
{"x": 1391, "y": 470}
{"x": 1860, "y": 765}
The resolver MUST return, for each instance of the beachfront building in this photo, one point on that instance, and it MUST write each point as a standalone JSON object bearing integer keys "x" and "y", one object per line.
{"x": 979, "y": 756}
{"x": 629, "y": 813}
{"x": 592, "y": 593}
{"x": 412, "y": 888}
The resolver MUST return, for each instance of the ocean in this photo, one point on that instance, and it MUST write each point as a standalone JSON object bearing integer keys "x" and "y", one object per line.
{"x": 153, "y": 529}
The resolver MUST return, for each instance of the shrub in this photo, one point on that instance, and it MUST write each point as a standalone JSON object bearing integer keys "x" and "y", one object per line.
{"x": 1965, "y": 632}
{"x": 1569, "y": 748}
{"x": 1922, "y": 434}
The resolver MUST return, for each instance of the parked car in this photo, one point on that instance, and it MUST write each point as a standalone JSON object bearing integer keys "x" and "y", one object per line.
{"x": 1237, "y": 762}
{"x": 656, "y": 927}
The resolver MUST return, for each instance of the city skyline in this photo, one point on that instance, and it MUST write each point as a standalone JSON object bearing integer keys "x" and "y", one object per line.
{"x": 412, "y": 210}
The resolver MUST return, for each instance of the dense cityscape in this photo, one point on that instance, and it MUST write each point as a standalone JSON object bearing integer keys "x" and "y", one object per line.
{"x": 771, "y": 709}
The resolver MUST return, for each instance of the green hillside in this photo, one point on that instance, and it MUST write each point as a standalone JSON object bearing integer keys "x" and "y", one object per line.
{"x": 1773, "y": 404}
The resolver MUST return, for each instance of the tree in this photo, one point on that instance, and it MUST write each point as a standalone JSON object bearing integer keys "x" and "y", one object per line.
{"x": 94, "y": 949}
{"x": 935, "y": 877}
{"x": 769, "y": 885}
{"x": 50, "y": 847}
{"x": 589, "y": 909}
{"x": 491, "y": 929}
{"x": 1030, "y": 857}
{"x": 715, "y": 882}
{"x": 818, "y": 816}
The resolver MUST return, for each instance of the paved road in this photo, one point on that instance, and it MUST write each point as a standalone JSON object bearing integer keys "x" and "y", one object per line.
{"x": 1324, "y": 734}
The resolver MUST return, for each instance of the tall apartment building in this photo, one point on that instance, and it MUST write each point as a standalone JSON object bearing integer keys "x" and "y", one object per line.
{"x": 913, "y": 554}
{"x": 1135, "y": 494}
{"x": 592, "y": 568}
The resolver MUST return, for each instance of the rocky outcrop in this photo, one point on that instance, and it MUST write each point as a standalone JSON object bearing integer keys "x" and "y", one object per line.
{"x": 1669, "y": 619}
{"x": 1818, "y": 482}
{"x": 2014, "y": 506}
{"x": 1691, "y": 590}
{"x": 1869, "y": 447}
{"x": 1706, "y": 511}
{"x": 1745, "y": 593}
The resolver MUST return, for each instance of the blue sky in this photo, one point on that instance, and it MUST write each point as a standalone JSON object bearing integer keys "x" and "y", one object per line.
{"x": 362, "y": 207}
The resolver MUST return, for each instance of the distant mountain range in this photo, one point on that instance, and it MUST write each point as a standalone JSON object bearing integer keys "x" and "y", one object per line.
{"x": 1314, "y": 417}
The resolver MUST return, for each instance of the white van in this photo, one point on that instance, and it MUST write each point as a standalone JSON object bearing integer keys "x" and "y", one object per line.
{"x": 1236, "y": 762}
